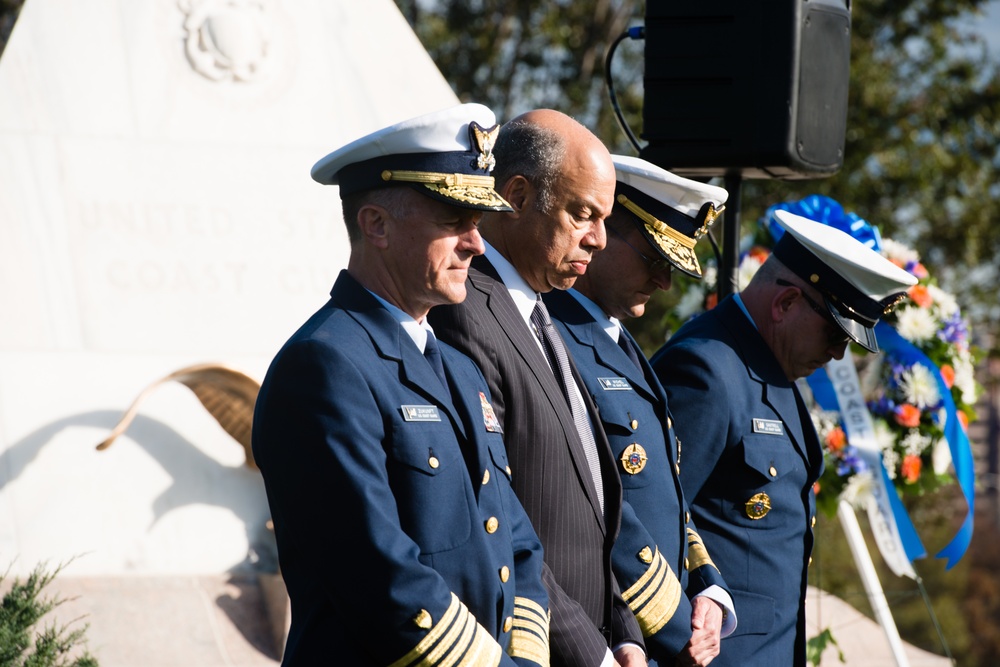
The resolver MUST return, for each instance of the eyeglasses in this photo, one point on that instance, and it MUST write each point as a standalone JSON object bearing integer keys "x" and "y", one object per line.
{"x": 834, "y": 334}
{"x": 654, "y": 265}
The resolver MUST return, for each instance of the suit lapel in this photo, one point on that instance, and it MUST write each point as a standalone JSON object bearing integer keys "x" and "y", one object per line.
{"x": 776, "y": 390}
{"x": 510, "y": 322}
{"x": 392, "y": 342}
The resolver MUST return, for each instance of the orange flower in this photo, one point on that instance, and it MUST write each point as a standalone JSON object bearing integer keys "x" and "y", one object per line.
{"x": 948, "y": 375}
{"x": 921, "y": 296}
{"x": 963, "y": 419}
{"x": 919, "y": 270}
{"x": 760, "y": 253}
{"x": 911, "y": 468}
{"x": 835, "y": 439}
{"x": 908, "y": 415}
{"x": 711, "y": 301}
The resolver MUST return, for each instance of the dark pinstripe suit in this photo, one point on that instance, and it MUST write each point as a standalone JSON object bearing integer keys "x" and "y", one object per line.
{"x": 550, "y": 472}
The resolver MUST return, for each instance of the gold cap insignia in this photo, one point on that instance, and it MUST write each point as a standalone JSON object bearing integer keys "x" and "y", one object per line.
{"x": 633, "y": 459}
{"x": 484, "y": 139}
{"x": 758, "y": 506}
{"x": 646, "y": 555}
{"x": 711, "y": 215}
{"x": 423, "y": 620}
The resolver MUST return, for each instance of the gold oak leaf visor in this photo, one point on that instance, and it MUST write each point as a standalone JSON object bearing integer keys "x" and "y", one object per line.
{"x": 453, "y": 178}
{"x": 671, "y": 232}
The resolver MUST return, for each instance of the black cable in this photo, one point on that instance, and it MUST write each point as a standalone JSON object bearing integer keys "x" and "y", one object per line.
{"x": 637, "y": 32}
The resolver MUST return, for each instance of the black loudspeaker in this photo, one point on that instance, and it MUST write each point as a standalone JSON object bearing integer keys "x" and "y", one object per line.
{"x": 750, "y": 87}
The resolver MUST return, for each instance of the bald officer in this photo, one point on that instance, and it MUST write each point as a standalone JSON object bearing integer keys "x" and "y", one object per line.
{"x": 668, "y": 577}
{"x": 751, "y": 454}
{"x": 400, "y": 539}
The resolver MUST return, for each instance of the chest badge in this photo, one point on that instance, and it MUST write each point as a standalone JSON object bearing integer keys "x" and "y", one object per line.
{"x": 758, "y": 506}
{"x": 768, "y": 427}
{"x": 489, "y": 417}
{"x": 633, "y": 459}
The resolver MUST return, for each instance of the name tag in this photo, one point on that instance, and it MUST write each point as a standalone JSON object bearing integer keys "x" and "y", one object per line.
{"x": 768, "y": 426}
{"x": 420, "y": 413}
{"x": 615, "y": 384}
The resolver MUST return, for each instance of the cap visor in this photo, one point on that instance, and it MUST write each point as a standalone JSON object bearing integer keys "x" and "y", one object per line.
{"x": 476, "y": 198}
{"x": 856, "y": 331}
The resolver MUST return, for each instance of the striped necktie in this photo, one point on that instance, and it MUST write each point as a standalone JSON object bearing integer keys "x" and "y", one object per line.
{"x": 558, "y": 358}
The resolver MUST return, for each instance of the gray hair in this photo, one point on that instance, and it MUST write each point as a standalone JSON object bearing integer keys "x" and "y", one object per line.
{"x": 389, "y": 198}
{"x": 536, "y": 153}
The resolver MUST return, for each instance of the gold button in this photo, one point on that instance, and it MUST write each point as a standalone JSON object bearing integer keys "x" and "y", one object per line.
{"x": 504, "y": 574}
{"x": 423, "y": 620}
{"x": 670, "y": 422}
{"x": 508, "y": 623}
{"x": 433, "y": 462}
{"x": 814, "y": 278}
{"x": 773, "y": 471}
{"x": 687, "y": 517}
{"x": 509, "y": 473}
{"x": 677, "y": 467}
{"x": 810, "y": 560}
{"x": 492, "y": 524}
{"x": 686, "y": 564}
{"x": 812, "y": 522}
{"x": 486, "y": 477}
{"x": 635, "y": 424}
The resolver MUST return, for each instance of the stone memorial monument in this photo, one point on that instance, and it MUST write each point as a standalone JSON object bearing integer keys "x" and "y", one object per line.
{"x": 156, "y": 212}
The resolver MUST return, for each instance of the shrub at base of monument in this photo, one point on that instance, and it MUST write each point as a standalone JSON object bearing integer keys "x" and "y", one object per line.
{"x": 21, "y": 643}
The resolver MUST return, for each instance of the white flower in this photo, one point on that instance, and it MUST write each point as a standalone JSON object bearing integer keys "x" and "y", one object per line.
{"x": 915, "y": 443}
{"x": 898, "y": 252}
{"x": 690, "y": 304}
{"x": 965, "y": 378}
{"x": 710, "y": 275}
{"x": 890, "y": 459}
{"x": 945, "y": 303}
{"x": 941, "y": 457}
{"x": 858, "y": 490}
{"x": 916, "y": 325}
{"x": 884, "y": 436}
{"x": 919, "y": 387}
{"x": 748, "y": 267}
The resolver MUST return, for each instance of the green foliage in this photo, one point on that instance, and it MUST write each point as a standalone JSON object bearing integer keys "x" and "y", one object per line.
{"x": 22, "y": 643}
{"x": 817, "y": 645}
{"x": 921, "y": 157}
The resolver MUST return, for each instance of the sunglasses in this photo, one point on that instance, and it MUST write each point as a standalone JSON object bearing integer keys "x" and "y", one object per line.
{"x": 834, "y": 334}
{"x": 654, "y": 265}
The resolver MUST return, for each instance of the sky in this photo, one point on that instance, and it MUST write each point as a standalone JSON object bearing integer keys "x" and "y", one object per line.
{"x": 990, "y": 27}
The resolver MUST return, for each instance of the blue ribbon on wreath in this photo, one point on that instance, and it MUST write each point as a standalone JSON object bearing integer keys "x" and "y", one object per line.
{"x": 828, "y": 211}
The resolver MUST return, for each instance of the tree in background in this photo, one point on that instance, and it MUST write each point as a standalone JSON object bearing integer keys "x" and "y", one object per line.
{"x": 921, "y": 162}
{"x": 921, "y": 156}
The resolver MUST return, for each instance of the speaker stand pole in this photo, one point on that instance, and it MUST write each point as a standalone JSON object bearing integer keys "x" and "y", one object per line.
{"x": 730, "y": 236}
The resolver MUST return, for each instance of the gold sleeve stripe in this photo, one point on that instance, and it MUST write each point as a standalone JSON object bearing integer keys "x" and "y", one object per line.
{"x": 697, "y": 553}
{"x": 484, "y": 650}
{"x": 528, "y": 609}
{"x": 456, "y": 640}
{"x": 655, "y": 596}
{"x": 529, "y": 638}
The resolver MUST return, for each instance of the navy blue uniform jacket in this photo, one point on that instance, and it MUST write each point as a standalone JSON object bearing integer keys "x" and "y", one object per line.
{"x": 390, "y": 549}
{"x": 651, "y": 558}
{"x": 745, "y": 436}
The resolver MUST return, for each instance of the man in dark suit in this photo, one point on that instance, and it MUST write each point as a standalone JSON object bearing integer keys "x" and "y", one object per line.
{"x": 669, "y": 579}
{"x": 399, "y": 536}
{"x": 559, "y": 181}
{"x": 751, "y": 454}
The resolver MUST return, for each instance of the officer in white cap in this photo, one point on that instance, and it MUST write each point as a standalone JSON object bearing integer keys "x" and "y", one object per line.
{"x": 399, "y": 537}
{"x": 750, "y": 454}
{"x": 657, "y": 219}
